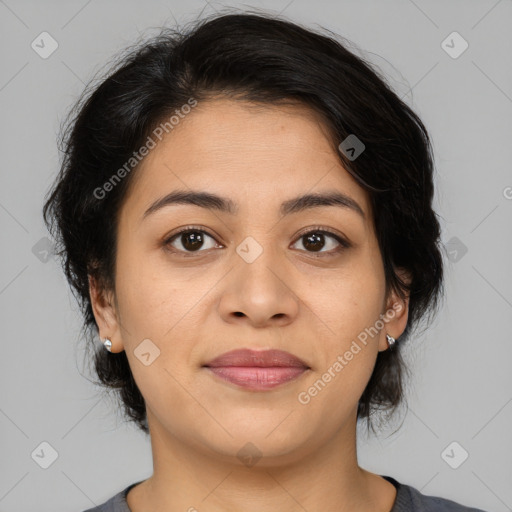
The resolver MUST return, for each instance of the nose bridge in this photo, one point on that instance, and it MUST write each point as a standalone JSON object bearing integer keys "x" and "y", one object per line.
{"x": 257, "y": 286}
{"x": 260, "y": 267}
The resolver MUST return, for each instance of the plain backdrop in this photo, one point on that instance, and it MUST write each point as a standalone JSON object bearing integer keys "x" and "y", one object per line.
{"x": 460, "y": 397}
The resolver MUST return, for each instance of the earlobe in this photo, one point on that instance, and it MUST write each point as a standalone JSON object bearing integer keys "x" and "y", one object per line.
{"x": 395, "y": 321}
{"x": 104, "y": 314}
{"x": 395, "y": 317}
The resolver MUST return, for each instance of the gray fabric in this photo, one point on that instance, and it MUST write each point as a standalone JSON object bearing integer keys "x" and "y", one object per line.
{"x": 408, "y": 499}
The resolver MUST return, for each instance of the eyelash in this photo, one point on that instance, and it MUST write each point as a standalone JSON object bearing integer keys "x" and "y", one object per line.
{"x": 316, "y": 229}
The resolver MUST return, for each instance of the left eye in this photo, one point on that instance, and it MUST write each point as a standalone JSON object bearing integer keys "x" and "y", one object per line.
{"x": 315, "y": 241}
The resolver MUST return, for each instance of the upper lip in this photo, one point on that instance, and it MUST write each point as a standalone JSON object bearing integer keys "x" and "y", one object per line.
{"x": 260, "y": 358}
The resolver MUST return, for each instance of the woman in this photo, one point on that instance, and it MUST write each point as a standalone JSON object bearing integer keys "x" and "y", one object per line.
{"x": 245, "y": 213}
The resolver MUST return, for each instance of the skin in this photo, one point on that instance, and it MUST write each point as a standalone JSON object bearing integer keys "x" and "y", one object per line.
{"x": 291, "y": 297}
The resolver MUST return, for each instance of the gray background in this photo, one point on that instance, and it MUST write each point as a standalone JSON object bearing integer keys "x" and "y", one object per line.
{"x": 461, "y": 389}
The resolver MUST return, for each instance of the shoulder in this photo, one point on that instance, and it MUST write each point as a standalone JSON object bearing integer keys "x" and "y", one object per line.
{"x": 116, "y": 503}
{"x": 410, "y": 499}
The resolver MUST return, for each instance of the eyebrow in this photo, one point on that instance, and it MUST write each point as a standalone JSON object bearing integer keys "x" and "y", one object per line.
{"x": 224, "y": 205}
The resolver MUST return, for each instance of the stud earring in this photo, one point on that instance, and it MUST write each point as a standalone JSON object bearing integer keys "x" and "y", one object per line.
{"x": 391, "y": 340}
{"x": 108, "y": 344}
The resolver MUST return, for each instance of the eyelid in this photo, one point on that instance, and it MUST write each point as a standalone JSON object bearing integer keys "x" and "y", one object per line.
{"x": 341, "y": 239}
{"x": 170, "y": 238}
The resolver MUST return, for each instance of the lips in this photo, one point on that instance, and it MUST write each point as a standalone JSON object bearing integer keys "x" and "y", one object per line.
{"x": 260, "y": 359}
{"x": 257, "y": 370}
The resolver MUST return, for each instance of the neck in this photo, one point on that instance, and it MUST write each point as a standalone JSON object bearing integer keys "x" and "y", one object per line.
{"x": 323, "y": 476}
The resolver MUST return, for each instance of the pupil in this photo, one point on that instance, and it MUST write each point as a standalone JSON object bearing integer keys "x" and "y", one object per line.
{"x": 193, "y": 241}
{"x": 315, "y": 240}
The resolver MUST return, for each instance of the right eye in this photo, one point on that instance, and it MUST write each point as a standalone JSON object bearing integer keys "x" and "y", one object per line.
{"x": 190, "y": 238}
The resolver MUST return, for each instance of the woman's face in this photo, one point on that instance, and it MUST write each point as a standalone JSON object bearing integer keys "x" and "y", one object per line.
{"x": 252, "y": 281}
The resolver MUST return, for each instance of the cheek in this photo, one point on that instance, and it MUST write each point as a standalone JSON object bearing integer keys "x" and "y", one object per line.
{"x": 349, "y": 306}
{"x": 165, "y": 305}
{"x": 151, "y": 295}
{"x": 350, "y": 299}
{"x": 145, "y": 304}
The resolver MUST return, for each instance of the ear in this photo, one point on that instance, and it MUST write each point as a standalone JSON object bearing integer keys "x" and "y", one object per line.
{"x": 395, "y": 314}
{"x": 103, "y": 306}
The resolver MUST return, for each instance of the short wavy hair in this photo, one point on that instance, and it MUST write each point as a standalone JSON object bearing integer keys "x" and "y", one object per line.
{"x": 269, "y": 60}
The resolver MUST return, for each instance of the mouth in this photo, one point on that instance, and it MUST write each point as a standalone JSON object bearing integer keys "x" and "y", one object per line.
{"x": 257, "y": 370}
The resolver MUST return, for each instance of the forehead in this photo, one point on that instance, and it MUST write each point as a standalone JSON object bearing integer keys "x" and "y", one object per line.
{"x": 247, "y": 151}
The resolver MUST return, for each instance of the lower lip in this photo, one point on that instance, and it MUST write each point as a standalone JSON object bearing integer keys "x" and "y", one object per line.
{"x": 256, "y": 378}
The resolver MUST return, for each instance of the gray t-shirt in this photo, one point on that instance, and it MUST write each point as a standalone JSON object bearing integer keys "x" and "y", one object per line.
{"x": 408, "y": 499}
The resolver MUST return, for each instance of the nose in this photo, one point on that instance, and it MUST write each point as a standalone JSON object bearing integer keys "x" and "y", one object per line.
{"x": 259, "y": 293}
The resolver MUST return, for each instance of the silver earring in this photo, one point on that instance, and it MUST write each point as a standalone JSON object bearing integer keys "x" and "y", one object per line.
{"x": 391, "y": 340}
{"x": 108, "y": 344}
